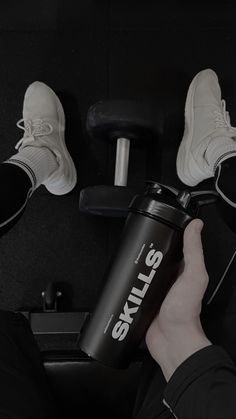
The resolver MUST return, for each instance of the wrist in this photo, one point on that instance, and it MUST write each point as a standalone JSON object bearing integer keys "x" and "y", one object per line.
{"x": 173, "y": 350}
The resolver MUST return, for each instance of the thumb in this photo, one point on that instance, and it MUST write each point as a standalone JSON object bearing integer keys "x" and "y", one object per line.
{"x": 192, "y": 246}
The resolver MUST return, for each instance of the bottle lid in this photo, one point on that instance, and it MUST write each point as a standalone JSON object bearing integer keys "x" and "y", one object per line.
{"x": 160, "y": 208}
{"x": 169, "y": 205}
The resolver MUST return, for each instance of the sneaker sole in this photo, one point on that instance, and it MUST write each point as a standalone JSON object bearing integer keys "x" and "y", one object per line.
{"x": 184, "y": 158}
{"x": 72, "y": 170}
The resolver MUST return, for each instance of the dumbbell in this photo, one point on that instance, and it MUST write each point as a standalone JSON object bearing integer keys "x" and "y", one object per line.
{"x": 123, "y": 122}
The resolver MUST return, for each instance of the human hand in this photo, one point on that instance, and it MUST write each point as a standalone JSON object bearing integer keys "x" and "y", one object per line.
{"x": 176, "y": 331}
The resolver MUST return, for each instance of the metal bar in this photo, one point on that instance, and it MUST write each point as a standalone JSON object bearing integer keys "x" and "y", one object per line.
{"x": 122, "y": 161}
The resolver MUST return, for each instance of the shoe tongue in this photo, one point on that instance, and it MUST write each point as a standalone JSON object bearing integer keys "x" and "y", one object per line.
{"x": 207, "y": 92}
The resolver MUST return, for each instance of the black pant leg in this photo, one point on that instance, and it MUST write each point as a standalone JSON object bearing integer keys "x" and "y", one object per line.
{"x": 15, "y": 190}
{"x": 25, "y": 390}
{"x": 225, "y": 183}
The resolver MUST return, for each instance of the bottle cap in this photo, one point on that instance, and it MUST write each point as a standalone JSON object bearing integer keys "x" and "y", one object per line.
{"x": 169, "y": 205}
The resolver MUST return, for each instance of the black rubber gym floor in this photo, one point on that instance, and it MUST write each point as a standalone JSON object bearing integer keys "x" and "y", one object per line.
{"x": 87, "y": 51}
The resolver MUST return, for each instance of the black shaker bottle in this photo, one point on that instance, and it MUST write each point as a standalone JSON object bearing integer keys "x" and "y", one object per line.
{"x": 140, "y": 274}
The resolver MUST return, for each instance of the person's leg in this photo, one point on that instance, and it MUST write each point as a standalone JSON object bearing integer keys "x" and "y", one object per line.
{"x": 208, "y": 136}
{"x": 42, "y": 156}
{"x": 208, "y": 146}
{"x": 225, "y": 176}
{"x": 42, "y": 159}
{"x": 17, "y": 184}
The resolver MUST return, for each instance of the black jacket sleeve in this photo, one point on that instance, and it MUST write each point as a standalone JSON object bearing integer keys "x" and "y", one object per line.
{"x": 203, "y": 386}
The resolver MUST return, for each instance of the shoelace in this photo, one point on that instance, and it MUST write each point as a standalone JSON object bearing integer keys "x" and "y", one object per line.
{"x": 222, "y": 119}
{"x": 33, "y": 128}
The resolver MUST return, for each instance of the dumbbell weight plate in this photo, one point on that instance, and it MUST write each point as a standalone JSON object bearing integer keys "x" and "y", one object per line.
{"x": 120, "y": 121}
{"x": 107, "y": 201}
{"x": 112, "y": 119}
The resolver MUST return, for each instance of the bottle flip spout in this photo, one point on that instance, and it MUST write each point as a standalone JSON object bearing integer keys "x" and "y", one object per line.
{"x": 197, "y": 198}
{"x": 187, "y": 199}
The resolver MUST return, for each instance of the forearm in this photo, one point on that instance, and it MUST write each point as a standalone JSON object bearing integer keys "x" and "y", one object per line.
{"x": 173, "y": 350}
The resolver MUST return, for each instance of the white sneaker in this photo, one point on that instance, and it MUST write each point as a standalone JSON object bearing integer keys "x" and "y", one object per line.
{"x": 44, "y": 125}
{"x": 208, "y": 135}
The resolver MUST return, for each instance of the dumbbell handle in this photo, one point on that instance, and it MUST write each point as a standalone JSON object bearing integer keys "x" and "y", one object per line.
{"x": 122, "y": 162}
